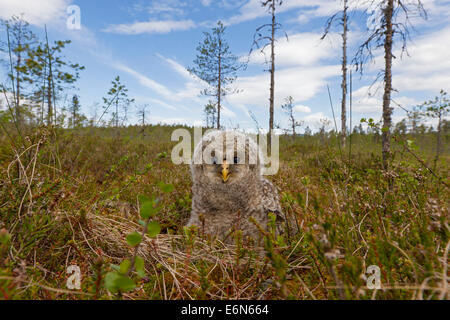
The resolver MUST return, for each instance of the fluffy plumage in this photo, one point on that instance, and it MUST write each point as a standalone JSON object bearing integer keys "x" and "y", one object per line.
{"x": 228, "y": 187}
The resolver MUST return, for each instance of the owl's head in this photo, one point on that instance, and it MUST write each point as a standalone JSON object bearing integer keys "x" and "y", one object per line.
{"x": 226, "y": 158}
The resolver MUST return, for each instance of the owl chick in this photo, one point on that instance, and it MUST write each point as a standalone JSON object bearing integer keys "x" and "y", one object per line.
{"x": 228, "y": 187}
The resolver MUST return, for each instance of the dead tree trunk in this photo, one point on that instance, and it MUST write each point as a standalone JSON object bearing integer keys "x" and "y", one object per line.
{"x": 219, "y": 88}
{"x": 438, "y": 141}
{"x": 18, "y": 66}
{"x": 49, "y": 84}
{"x": 387, "y": 110}
{"x": 344, "y": 75}
{"x": 272, "y": 73}
{"x": 49, "y": 97}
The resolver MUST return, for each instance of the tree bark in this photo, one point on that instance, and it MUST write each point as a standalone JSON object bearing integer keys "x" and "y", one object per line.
{"x": 272, "y": 75}
{"x": 438, "y": 142}
{"x": 219, "y": 88}
{"x": 344, "y": 75}
{"x": 49, "y": 97}
{"x": 19, "y": 61}
{"x": 293, "y": 127}
{"x": 117, "y": 112}
{"x": 49, "y": 84}
{"x": 387, "y": 110}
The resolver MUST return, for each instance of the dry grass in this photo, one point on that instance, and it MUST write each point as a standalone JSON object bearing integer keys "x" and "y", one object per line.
{"x": 71, "y": 198}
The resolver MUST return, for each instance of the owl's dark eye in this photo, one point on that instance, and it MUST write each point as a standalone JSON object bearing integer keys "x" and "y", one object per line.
{"x": 236, "y": 159}
{"x": 214, "y": 160}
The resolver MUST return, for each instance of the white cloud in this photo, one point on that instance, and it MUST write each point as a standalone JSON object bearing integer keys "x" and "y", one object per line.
{"x": 253, "y": 9}
{"x": 302, "y": 83}
{"x": 428, "y": 66}
{"x": 315, "y": 121}
{"x": 300, "y": 71}
{"x": 6, "y": 98}
{"x": 153, "y": 26}
{"x": 192, "y": 86}
{"x": 189, "y": 93}
{"x": 153, "y": 101}
{"x": 35, "y": 12}
{"x": 206, "y": 3}
{"x": 370, "y": 101}
{"x": 167, "y": 6}
{"x": 180, "y": 69}
{"x": 145, "y": 81}
{"x": 302, "y": 108}
{"x": 299, "y": 49}
{"x": 227, "y": 112}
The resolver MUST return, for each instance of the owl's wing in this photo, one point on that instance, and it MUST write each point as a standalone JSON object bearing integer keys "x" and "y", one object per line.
{"x": 271, "y": 202}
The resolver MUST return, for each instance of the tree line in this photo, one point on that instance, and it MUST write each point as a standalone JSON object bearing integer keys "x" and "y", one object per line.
{"x": 39, "y": 74}
{"x": 38, "y": 77}
{"x": 217, "y": 66}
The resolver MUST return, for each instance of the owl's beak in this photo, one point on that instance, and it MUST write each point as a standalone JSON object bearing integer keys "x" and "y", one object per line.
{"x": 225, "y": 171}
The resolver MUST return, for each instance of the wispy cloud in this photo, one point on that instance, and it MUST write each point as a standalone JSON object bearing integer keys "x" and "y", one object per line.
{"x": 192, "y": 86}
{"x": 171, "y": 7}
{"x": 180, "y": 69}
{"x": 206, "y": 3}
{"x": 151, "y": 27}
{"x": 35, "y": 12}
{"x": 145, "y": 81}
{"x": 253, "y": 9}
{"x": 151, "y": 101}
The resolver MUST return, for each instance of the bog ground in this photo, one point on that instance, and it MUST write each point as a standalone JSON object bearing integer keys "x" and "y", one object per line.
{"x": 73, "y": 197}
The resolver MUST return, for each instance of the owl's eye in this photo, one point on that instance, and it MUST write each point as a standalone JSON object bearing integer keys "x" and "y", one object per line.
{"x": 213, "y": 160}
{"x": 236, "y": 159}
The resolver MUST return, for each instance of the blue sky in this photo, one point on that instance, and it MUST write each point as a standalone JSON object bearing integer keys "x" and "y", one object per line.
{"x": 151, "y": 43}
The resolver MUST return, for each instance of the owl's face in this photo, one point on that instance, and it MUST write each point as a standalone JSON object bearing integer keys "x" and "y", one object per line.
{"x": 227, "y": 171}
{"x": 225, "y": 159}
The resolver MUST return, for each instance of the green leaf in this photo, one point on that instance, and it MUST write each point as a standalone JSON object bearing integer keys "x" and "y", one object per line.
{"x": 125, "y": 283}
{"x": 134, "y": 238}
{"x": 162, "y": 155}
{"x": 153, "y": 229}
{"x": 124, "y": 266}
{"x": 139, "y": 265}
{"x": 110, "y": 280}
{"x": 143, "y": 198}
{"x": 148, "y": 209}
{"x": 141, "y": 222}
{"x": 115, "y": 282}
{"x": 166, "y": 187}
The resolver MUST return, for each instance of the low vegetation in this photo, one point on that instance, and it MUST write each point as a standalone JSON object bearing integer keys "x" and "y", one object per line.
{"x": 110, "y": 201}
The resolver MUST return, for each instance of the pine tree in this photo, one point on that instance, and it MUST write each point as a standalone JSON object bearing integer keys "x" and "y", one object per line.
{"x": 52, "y": 73}
{"x": 438, "y": 108}
{"x": 76, "y": 119}
{"x": 20, "y": 40}
{"x": 210, "y": 111}
{"x": 288, "y": 107}
{"x": 216, "y": 65}
{"x": 117, "y": 96}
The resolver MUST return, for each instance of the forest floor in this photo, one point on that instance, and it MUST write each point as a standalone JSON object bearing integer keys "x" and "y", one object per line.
{"x": 72, "y": 197}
